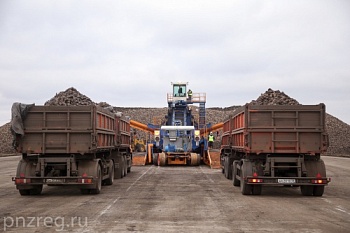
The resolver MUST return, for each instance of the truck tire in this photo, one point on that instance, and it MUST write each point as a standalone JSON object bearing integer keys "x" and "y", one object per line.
{"x": 110, "y": 179}
{"x": 118, "y": 170}
{"x": 236, "y": 182}
{"x": 222, "y": 163}
{"x": 125, "y": 166}
{"x": 314, "y": 168}
{"x": 28, "y": 169}
{"x": 98, "y": 186}
{"x": 229, "y": 168}
{"x": 307, "y": 190}
{"x": 129, "y": 165}
{"x": 24, "y": 192}
{"x": 37, "y": 190}
{"x": 85, "y": 191}
{"x": 225, "y": 167}
{"x": 246, "y": 189}
{"x": 256, "y": 189}
{"x": 318, "y": 191}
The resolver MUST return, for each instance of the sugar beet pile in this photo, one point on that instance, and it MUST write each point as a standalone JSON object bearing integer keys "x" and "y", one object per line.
{"x": 339, "y": 132}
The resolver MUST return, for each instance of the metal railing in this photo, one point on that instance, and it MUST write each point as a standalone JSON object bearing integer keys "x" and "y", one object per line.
{"x": 196, "y": 98}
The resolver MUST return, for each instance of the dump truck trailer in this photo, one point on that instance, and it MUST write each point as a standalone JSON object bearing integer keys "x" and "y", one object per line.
{"x": 265, "y": 145}
{"x": 84, "y": 146}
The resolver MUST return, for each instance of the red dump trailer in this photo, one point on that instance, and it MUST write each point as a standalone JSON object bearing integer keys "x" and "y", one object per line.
{"x": 85, "y": 146}
{"x": 275, "y": 145}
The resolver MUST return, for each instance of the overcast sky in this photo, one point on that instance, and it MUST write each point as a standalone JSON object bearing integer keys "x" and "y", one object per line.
{"x": 126, "y": 53}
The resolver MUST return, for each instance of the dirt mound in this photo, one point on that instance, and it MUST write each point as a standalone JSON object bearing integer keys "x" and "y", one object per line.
{"x": 71, "y": 96}
{"x": 339, "y": 136}
{"x": 271, "y": 97}
{"x": 6, "y": 140}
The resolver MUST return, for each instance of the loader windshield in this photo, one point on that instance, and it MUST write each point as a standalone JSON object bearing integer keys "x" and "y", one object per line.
{"x": 179, "y": 90}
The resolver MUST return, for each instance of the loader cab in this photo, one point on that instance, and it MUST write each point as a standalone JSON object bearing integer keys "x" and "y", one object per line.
{"x": 179, "y": 89}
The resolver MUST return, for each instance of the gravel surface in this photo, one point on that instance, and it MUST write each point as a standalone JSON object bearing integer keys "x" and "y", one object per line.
{"x": 339, "y": 132}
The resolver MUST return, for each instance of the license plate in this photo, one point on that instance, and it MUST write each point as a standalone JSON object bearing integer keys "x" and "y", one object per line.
{"x": 54, "y": 181}
{"x": 286, "y": 181}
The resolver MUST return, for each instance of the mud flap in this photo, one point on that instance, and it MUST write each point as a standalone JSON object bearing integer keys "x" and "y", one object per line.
{"x": 88, "y": 168}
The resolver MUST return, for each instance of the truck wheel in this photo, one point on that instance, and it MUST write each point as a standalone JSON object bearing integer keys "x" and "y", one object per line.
{"x": 84, "y": 191}
{"x": 307, "y": 190}
{"x": 236, "y": 182}
{"x": 110, "y": 179}
{"x": 98, "y": 187}
{"x": 123, "y": 166}
{"x": 229, "y": 169}
{"x": 222, "y": 164}
{"x": 24, "y": 192}
{"x": 37, "y": 190}
{"x": 129, "y": 166}
{"x": 118, "y": 171}
{"x": 246, "y": 189}
{"x": 225, "y": 167}
{"x": 256, "y": 189}
{"x": 318, "y": 191}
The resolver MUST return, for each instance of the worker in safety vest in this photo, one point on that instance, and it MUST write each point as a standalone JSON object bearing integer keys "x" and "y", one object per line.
{"x": 210, "y": 140}
{"x": 189, "y": 93}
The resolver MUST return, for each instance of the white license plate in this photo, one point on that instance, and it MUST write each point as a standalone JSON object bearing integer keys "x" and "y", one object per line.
{"x": 286, "y": 181}
{"x": 54, "y": 181}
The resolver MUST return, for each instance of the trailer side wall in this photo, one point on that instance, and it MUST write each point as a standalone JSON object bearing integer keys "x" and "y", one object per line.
{"x": 69, "y": 130}
{"x": 277, "y": 129}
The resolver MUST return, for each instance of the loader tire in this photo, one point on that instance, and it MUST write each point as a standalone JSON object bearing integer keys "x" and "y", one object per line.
{"x": 162, "y": 159}
{"x": 195, "y": 159}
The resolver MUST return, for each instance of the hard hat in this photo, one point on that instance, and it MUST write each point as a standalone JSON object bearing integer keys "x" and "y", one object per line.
{"x": 211, "y": 132}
